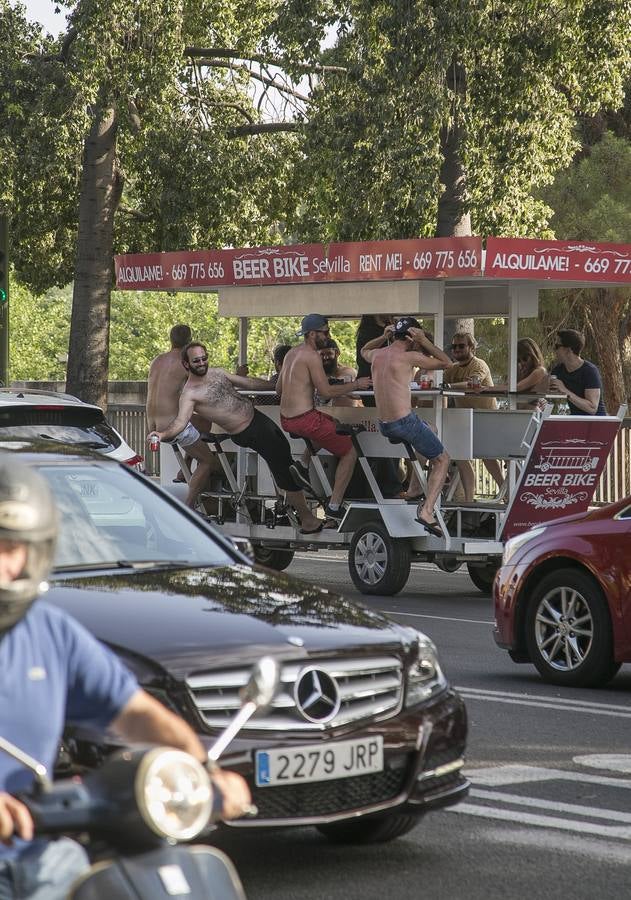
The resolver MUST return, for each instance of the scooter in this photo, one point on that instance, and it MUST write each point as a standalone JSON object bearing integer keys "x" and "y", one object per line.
{"x": 142, "y": 803}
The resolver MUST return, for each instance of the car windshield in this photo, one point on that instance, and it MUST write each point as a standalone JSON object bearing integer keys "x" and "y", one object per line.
{"x": 70, "y": 425}
{"x": 109, "y": 517}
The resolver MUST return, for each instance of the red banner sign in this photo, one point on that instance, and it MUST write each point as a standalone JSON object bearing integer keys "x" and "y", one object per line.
{"x": 558, "y": 260}
{"x": 562, "y": 473}
{"x": 296, "y": 264}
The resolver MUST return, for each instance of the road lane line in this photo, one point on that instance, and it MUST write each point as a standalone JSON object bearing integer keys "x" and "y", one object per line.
{"x": 518, "y": 817}
{"x": 395, "y": 612}
{"x": 319, "y": 556}
{"x": 467, "y": 695}
{"x": 576, "y": 809}
{"x": 546, "y": 697}
{"x": 502, "y": 775}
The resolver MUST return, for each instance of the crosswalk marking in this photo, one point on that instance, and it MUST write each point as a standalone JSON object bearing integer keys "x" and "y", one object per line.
{"x": 576, "y": 809}
{"x": 543, "y": 702}
{"x": 525, "y": 818}
{"x": 578, "y": 818}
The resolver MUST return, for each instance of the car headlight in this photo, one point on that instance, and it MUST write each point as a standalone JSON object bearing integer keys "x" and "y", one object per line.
{"x": 173, "y": 794}
{"x": 425, "y": 676}
{"x": 513, "y": 544}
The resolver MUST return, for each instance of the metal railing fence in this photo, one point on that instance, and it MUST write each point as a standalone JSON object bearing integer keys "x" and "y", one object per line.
{"x": 614, "y": 484}
{"x": 130, "y": 422}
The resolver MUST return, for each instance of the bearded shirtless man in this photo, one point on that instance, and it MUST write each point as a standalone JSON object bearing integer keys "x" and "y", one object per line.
{"x": 392, "y": 370}
{"x": 164, "y": 384}
{"x": 301, "y": 376}
{"x": 211, "y": 393}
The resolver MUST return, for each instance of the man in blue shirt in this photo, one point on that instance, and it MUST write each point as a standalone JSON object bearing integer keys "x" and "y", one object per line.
{"x": 575, "y": 377}
{"x": 53, "y": 670}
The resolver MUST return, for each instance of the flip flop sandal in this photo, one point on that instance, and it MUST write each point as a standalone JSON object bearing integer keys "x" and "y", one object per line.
{"x": 312, "y": 531}
{"x": 432, "y": 527}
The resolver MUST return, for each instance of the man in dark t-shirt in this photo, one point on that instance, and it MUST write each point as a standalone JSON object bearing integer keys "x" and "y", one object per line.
{"x": 575, "y": 377}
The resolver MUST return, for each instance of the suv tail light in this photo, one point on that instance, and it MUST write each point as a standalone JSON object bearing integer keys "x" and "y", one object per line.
{"x": 136, "y": 462}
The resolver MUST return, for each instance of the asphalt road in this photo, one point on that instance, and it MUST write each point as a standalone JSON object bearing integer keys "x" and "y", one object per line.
{"x": 541, "y": 821}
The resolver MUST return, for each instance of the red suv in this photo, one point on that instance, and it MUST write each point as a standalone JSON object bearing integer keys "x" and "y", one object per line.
{"x": 563, "y": 596}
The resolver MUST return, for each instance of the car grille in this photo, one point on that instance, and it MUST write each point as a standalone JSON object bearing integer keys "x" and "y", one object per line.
{"x": 369, "y": 687}
{"x": 326, "y": 798}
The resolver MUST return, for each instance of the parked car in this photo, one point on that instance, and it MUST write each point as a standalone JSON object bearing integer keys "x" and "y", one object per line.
{"x": 563, "y": 596}
{"x": 62, "y": 418}
{"x": 365, "y": 734}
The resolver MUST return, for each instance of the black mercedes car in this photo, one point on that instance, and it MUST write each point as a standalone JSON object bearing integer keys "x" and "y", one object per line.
{"x": 364, "y": 735}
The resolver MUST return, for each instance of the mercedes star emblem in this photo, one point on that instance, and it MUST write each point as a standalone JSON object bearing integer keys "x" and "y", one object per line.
{"x": 317, "y": 696}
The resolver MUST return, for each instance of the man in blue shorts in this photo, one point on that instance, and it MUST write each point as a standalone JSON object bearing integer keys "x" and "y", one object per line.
{"x": 393, "y": 367}
{"x": 53, "y": 670}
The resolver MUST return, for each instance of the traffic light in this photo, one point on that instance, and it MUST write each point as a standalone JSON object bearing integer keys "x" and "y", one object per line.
{"x": 4, "y": 260}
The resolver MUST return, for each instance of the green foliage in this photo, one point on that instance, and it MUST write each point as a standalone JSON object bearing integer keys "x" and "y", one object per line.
{"x": 372, "y": 143}
{"x": 39, "y": 334}
{"x": 592, "y": 199}
{"x": 186, "y": 181}
{"x": 140, "y": 325}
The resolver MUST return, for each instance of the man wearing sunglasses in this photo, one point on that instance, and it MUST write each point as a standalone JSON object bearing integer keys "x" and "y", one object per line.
{"x": 576, "y": 377}
{"x": 301, "y": 376}
{"x": 468, "y": 373}
{"x": 212, "y": 393}
{"x": 164, "y": 384}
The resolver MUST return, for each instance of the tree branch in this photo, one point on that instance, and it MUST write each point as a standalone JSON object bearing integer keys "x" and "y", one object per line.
{"x": 224, "y": 104}
{"x": 134, "y": 214}
{"x": 64, "y": 52}
{"x": 222, "y": 64}
{"x": 228, "y": 53}
{"x": 263, "y": 128}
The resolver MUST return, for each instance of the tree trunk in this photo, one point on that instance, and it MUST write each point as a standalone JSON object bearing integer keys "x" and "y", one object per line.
{"x": 603, "y": 311}
{"x": 101, "y": 188}
{"x": 453, "y": 220}
{"x": 624, "y": 331}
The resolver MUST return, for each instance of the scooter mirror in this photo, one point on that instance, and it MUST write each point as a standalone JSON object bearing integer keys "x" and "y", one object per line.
{"x": 262, "y": 683}
{"x": 37, "y": 768}
{"x": 257, "y": 693}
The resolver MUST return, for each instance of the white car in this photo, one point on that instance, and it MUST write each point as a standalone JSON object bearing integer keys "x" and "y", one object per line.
{"x": 62, "y": 419}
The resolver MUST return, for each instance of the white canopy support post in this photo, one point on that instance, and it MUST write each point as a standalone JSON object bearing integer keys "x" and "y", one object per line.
{"x": 242, "y": 455}
{"x": 513, "y": 336}
{"x": 243, "y": 341}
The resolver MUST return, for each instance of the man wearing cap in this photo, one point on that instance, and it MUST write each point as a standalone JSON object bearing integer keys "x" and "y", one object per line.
{"x": 392, "y": 370}
{"x": 301, "y": 376}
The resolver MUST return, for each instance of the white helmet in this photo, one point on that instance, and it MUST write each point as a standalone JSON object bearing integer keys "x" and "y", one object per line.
{"x": 27, "y": 516}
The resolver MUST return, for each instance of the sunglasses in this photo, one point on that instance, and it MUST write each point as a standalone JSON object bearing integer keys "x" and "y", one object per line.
{"x": 459, "y": 346}
{"x": 322, "y": 331}
{"x": 199, "y": 359}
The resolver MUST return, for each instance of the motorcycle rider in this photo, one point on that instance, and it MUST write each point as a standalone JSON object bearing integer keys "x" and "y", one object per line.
{"x": 53, "y": 670}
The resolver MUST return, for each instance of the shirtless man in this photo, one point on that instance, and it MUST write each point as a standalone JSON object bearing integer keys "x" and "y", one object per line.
{"x": 166, "y": 380}
{"x": 392, "y": 370}
{"x": 212, "y": 394}
{"x": 303, "y": 374}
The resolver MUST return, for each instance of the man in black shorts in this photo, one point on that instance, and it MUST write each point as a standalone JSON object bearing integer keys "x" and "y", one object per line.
{"x": 211, "y": 393}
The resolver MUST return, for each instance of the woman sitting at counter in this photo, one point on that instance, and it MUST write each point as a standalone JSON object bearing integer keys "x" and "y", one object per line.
{"x": 532, "y": 374}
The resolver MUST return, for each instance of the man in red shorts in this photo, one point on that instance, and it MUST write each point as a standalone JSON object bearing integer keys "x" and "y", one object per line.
{"x": 303, "y": 374}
